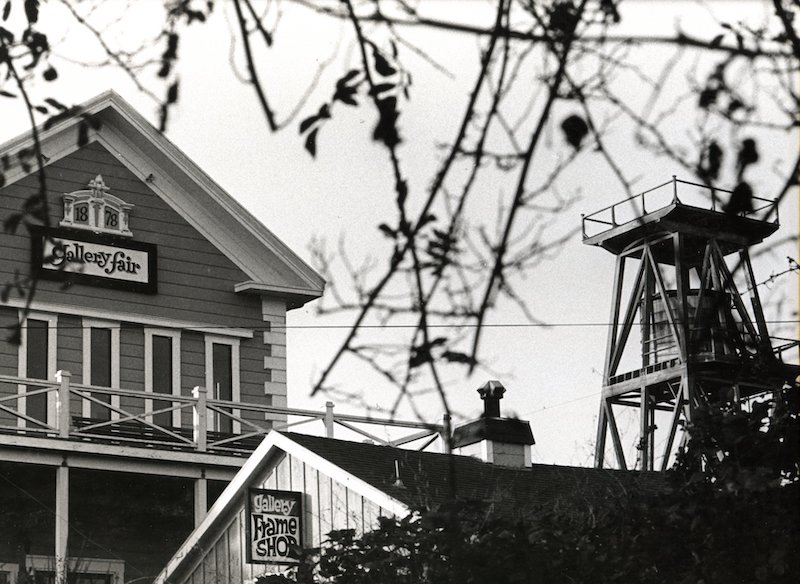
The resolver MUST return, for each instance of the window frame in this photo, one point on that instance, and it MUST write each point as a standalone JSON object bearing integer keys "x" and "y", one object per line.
{"x": 87, "y": 324}
{"x": 52, "y": 356}
{"x": 210, "y": 340}
{"x": 175, "y": 335}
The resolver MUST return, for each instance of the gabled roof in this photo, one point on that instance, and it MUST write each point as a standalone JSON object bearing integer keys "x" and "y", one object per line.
{"x": 425, "y": 480}
{"x": 272, "y": 268}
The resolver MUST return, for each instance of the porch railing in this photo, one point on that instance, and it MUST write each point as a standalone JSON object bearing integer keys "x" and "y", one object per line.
{"x": 66, "y": 402}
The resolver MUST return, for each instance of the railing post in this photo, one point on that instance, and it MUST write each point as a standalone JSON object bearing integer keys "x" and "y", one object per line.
{"x": 329, "y": 419}
{"x": 674, "y": 189}
{"x": 445, "y": 434}
{"x": 200, "y": 417}
{"x": 583, "y": 225}
{"x": 63, "y": 418}
{"x": 614, "y": 215}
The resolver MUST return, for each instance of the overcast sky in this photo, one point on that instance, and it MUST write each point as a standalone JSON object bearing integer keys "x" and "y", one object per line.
{"x": 552, "y": 374}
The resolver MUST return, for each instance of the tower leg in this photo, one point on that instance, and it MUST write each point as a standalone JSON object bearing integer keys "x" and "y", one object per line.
{"x": 600, "y": 443}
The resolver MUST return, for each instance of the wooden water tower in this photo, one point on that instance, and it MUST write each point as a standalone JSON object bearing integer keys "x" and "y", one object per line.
{"x": 683, "y": 286}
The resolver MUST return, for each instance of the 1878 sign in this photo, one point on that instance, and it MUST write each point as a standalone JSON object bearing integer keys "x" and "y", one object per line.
{"x": 274, "y": 526}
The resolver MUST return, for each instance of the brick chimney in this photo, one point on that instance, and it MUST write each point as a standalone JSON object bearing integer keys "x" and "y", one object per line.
{"x": 493, "y": 438}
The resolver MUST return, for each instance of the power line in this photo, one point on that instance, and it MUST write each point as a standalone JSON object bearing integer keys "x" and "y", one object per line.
{"x": 282, "y": 327}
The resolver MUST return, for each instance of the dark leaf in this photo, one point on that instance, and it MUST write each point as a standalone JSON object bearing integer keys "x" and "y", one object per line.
{"x": 708, "y": 97}
{"x": 715, "y": 155}
{"x": 388, "y": 231}
{"x": 6, "y": 9}
{"x": 7, "y": 94}
{"x": 83, "y": 133}
{"x": 311, "y": 142}
{"x": 32, "y": 10}
{"x": 346, "y": 96}
{"x": 324, "y": 112}
{"x": 15, "y": 337}
{"x": 741, "y": 200}
{"x": 11, "y": 223}
{"x": 748, "y": 154}
{"x": 162, "y": 118}
{"x": 6, "y": 35}
{"x": 716, "y": 41}
{"x": 172, "y": 93}
{"x": 575, "y": 130}
{"x": 2, "y": 180}
{"x": 41, "y": 109}
{"x": 382, "y": 66}
{"x": 93, "y": 121}
{"x": 56, "y": 104}
{"x": 610, "y": 12}
{"x": 386, "y": 129}
{"x": 50, "y": 74}
{"x": 380, "y": 88}
{"x": 457, "y": 357}
{"x": 349, "y": 76}
{"x": 308, "y": 122}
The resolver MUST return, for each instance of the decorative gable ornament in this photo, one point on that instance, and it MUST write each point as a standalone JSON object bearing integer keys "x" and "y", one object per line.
{"x": 96, "y": 210}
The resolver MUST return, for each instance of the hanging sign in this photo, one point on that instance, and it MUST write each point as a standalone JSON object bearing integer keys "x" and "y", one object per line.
{"x": 94, "y": 259}
{"x": 274, "y": 526}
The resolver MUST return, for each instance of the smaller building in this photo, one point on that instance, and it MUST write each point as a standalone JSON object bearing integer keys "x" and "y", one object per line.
{"x": 295, "y": 489}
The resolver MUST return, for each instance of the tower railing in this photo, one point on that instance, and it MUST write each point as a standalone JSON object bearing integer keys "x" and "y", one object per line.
{"x": 205, "y": 424}
{"x": 659, "y": 197}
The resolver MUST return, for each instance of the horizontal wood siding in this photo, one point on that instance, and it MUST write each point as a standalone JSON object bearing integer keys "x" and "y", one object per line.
{"x": 195, "y": 283}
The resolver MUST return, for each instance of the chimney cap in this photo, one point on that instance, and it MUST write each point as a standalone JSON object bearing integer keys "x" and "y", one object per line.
{"x": 492, "y": 389}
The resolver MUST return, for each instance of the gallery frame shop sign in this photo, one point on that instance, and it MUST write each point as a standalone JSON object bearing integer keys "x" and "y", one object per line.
{"x": 274, "y": 526}
{"x": 94, "y": 259}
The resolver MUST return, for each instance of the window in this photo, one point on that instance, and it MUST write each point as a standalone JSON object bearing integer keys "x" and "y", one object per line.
{"x": 162, "y": 372}
{"x": 80, "y": 571}
{"x": 37, "y": 360}
{"x": 222, "y": 379}
{"x": 101, "y": 367}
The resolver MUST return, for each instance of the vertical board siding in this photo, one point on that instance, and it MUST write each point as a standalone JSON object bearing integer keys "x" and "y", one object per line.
{"x": 221, "y": 554}
{"x": 338, "y": 505}
{"x": 329, "y": 505}
{"x": 235, "y": 557}
{"x": 325, "y": 506}
{"x": 355, "y": 511}
{"x": 312, "y": 522}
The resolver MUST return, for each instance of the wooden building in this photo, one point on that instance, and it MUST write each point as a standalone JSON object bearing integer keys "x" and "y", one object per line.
{"x": 152, "y": 355}
{"x": 297, "y": 488}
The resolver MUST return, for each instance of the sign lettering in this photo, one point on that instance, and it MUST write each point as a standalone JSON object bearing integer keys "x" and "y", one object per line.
{"x": 95, "y": 259}
{"x": 274, "y": 528}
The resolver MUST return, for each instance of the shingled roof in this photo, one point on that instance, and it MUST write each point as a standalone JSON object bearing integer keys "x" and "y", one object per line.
{"x": 425, "y": 477}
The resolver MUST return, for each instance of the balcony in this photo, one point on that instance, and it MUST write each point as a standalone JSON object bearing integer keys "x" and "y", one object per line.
{"x": 135, "y": 424}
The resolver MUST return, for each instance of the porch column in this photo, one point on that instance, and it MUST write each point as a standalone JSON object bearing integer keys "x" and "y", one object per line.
{"x": 200, "y": 498}
{"x": 62, "y": 522}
